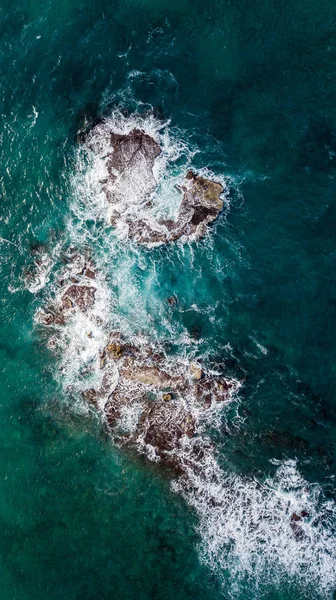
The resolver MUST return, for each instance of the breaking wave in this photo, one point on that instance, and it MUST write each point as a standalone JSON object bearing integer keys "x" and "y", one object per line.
{"x": 254, "y": 531}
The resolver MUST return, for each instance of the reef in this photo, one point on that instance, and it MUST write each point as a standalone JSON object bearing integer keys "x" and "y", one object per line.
{"x": 129, "y": 162}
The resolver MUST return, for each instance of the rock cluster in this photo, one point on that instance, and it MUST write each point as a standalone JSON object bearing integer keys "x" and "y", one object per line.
{"x": 76, "y": 290}
{"x": 130, "y": 159}
{"x": 201, "y": 204}
{"x": 148, "y": 400}
{"x": 165, "y": 399}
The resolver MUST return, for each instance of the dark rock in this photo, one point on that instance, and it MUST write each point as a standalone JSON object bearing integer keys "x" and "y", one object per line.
{"x": 129, "y": 149}
{"x": 59, "y": 318}
{"x": 46, "y": 318}
{"x": 79, "y": 296}
{"x": 172, "y": 300}
{"x": 90, "y": 273}
{"x": 129, "y": 162}
{"x": 284, "y": 439}
{"x": 297, "y": 529}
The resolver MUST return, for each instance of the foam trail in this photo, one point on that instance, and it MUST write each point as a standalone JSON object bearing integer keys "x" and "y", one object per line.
{"x": 9, "y": 242}
{"x": 248, "y": 530}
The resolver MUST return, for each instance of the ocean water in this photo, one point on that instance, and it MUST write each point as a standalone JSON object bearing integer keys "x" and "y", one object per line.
{"x": 242, "y": 92}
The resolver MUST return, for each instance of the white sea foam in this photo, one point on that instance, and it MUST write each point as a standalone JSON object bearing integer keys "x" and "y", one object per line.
{"x": 247, "y": 532}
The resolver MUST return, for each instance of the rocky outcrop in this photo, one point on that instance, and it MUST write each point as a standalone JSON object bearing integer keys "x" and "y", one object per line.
{"x": 149, "y": 401}
{"x": 295, "y": 524}
{"x": 133, "y": 151}
{"x": 76, "y": 289}
{"x": 165, "y": 398}
{"x": 201, "y": 204}
{"x": 78, "y": 296}
{"x": 130, "y": 181}
{"x": 164, "y": 426}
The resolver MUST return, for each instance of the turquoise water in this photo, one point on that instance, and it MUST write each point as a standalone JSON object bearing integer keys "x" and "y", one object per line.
{"x": 247, "y": 91}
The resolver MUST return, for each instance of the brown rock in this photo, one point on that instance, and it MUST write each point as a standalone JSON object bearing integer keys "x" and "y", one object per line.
{"x": 90, "y": 273}
{"x": 149, "y": 376}
{"x": 130, "y": 163}
{"x": 165, "y": 423}
{"x": 90, "y": 396}
{"x": 114, "y": 350}
{"x": 46, "y": 318}
{"x": 59, "y": 318}
{"x": 79, "y": 296}
{"x": 296, "y": 528}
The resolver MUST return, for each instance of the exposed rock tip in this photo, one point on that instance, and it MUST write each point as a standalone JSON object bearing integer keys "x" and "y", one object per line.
{"x": 196, "y": 371}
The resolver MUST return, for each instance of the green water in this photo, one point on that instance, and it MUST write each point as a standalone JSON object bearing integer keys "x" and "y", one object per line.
{"x": 252, "y": 86}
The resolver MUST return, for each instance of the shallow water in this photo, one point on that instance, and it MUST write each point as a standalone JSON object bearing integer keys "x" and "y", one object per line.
{"x": 245, "y": 91}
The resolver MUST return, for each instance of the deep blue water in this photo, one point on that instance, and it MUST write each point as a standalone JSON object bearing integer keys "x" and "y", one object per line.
{"x": 251, "y": 86}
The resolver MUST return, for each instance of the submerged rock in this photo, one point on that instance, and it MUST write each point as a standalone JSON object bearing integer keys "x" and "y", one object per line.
{"x": 165, "y": 424}
{"x": 172, "y": 300}
{"x": 298, "y": 531}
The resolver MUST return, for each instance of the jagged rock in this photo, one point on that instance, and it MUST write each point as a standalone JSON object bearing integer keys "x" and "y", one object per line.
{"x": 88, "y": 272}
{"x": 59, "y": 318}
{"x": 296, "y": 528}
{"x": 45, "y": 318}
{"x": 222, "y": 388}
{"x": 144, "y": 395}
{"x": 164, "y": 424}
{"x": 210, "y": 389}
{"x": 201, "y": 204}
{"x": 51, "y": 316}
{"x": 80, "y": 296}
{"x": 133, "y": 149}
{"x": 129, "y": 161}
{"x": 114, "y": 350}
{"x": 129, "y": 164}
{"x": 91, "y": 396}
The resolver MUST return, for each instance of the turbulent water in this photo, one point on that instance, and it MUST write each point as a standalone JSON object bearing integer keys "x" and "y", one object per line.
{"x": 242, "y": 94}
